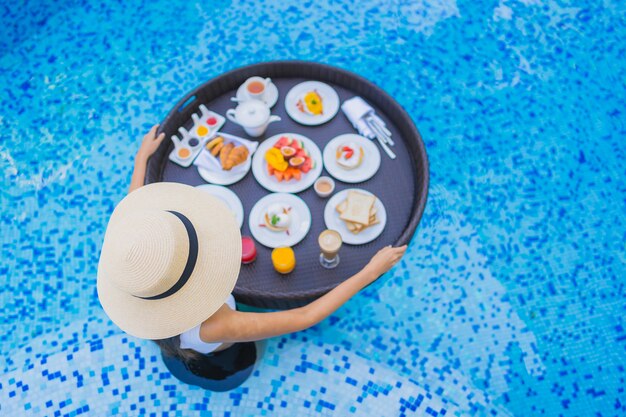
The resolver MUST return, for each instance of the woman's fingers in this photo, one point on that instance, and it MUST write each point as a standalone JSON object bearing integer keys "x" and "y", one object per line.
{"x": 160, "y": 137}
{"x": 152, "y": 131}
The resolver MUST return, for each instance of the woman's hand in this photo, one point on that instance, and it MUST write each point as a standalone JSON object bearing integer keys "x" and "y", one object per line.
{"x": 384, "y": 260}
{"x": 149, "y": 144}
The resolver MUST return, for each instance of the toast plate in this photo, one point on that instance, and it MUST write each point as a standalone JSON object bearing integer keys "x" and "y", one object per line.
{"x": 228, "y": 197}
{"x": 366, "y": 170}
{"x": 332, "y": 220}
{"x": 298, "y": 229}
{"x": 270, "y": 182}
{"x": 330, "y": 103}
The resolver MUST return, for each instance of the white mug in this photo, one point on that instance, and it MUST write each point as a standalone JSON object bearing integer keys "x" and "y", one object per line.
{"x": 261, "y": 81}
{"x": 253, "y": 115}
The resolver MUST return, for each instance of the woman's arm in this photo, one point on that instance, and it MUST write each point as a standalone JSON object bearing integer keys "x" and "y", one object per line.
{"x": 148, "y": 146}
{"x": 228, "y": 326}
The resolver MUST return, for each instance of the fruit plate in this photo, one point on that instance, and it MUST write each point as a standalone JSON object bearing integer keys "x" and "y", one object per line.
{"x": 228, "y": 197}
{"x": 210, "y": 169}
{"x": 330, "y": 103}
{"x": 332, "y": 220}
{"x": 298, "y": 214}
{"x": 365, "y": 170}
{"x": 271, "y": 182}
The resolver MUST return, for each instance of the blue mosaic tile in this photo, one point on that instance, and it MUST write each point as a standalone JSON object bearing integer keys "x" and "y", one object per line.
{"x": 511, "y": 298}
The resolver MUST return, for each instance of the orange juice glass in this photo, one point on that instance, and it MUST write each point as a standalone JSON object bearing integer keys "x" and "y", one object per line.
{"x": 284, "y": 259}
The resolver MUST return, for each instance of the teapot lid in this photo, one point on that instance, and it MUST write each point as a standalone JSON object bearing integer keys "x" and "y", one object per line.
{"x": 252, "y": 113}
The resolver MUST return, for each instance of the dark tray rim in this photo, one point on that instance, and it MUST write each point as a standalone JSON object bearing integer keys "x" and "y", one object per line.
{"x": 306, "y": 69}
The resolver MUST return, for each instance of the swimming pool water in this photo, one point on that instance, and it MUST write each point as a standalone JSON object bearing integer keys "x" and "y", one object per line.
{"x": 511, "y": 298}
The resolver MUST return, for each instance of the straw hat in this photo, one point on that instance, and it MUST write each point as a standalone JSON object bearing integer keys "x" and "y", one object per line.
{"x": 170, "y": 258}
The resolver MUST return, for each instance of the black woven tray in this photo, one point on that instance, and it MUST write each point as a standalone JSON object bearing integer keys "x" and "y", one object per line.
{"x": 401, "y": 184}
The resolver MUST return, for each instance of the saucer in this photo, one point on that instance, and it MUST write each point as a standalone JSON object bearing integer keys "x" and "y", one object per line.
{"x": 270, "y": 97}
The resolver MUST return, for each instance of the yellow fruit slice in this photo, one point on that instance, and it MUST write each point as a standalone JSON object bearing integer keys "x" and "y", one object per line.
{"x": 276, "y": 160}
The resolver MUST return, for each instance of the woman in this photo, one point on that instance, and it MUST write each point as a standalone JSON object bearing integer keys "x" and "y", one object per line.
{"x": 169, "y": 262}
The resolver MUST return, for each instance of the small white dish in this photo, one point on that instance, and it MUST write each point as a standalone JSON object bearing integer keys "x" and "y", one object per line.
{"x": 270, "y": 97}
{"x": 332, "y": 220}
{"x": 366, "y": 170}
{"x": 270, "y": 182}
{"x": 215, "y": 174}
{"x": 330, "y": 103}
{"x": 192, "y": 141}
{"x": 318, "y": 183}
{"x": 298, "y": 228}
{"x": 228, "y": 197}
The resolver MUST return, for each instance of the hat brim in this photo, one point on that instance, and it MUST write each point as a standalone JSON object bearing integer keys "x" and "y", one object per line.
{"x": 212, "y": 280}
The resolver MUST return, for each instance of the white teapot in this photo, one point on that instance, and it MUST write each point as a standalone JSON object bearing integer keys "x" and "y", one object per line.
{"x": 253, "y": 115}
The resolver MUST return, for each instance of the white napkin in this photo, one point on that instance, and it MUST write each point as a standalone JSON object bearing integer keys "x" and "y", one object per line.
{"x": 211, "y": 163}
{"x": 356, "y": 109}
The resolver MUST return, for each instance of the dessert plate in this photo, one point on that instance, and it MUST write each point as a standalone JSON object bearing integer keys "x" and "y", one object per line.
{"x": 296, "y": 223}
{"x": 271, "y": 182}
{"x": 364, "y": 170}
{"x": 332, "y": 220}
{"x": 329, "y": 103}
{"x": 228, "y": 197}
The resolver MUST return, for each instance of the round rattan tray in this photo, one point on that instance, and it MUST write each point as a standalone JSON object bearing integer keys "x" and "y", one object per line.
{"x": 401, "y": 184}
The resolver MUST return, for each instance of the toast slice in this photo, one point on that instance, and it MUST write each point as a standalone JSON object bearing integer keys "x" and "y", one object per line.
{"x": 358, "y": 207}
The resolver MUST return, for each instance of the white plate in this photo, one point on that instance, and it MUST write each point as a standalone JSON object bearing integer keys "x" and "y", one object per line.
{"x": 228, "y": 197}
{"x": 217, "y": 175}
{"x": 330, "y": 103}
{"x": 270, "y": 97}
{"x": 369, "y": 166}
{"x": 332, "y": 220}
{"x": 300, "y": 221}
{"x": 269, "y": 182}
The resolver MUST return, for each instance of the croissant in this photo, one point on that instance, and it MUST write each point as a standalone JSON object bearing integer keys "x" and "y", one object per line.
{"x": 224, "y": 153}
{"x": 235, "y": 157}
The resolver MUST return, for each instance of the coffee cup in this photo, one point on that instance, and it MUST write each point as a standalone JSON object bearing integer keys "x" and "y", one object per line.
{"x": 256, "y": 86}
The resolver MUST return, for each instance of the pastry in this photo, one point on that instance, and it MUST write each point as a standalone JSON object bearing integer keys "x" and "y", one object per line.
{"x": 225, "y": 152}
{"x": 214, "y": 142}
{"x": 349, "y": 155}
{"x": 277, "y": 218}
{"x": 237, "y": 156}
